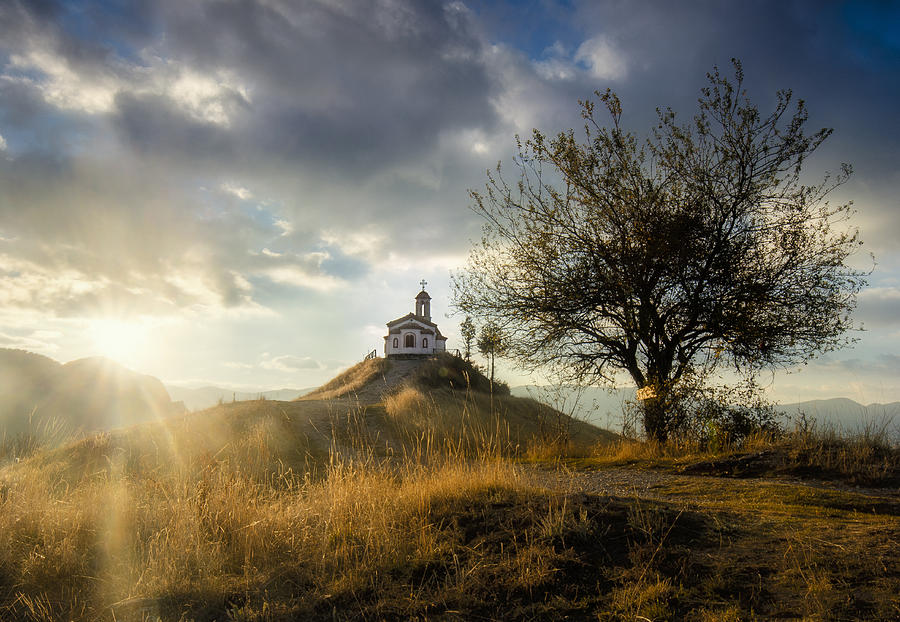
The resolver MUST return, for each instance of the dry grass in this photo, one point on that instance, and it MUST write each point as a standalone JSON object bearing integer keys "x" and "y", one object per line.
{"x": 240, "y": 511}
{"x": 351, "y": 380}
{"x": 208, "y": 539}
{"x": 38, "y": 435}
{"x": 867, "y": 457}
{"x": 414, "y": 509}
{"x": 472, "y": 422}
{"x": 858, "y": 459}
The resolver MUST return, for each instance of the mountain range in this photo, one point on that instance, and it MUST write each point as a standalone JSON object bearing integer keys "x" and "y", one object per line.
{"x": 603, "y": 407}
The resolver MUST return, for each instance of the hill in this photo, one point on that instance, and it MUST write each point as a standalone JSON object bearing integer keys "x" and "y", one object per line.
{"x": 378, "y": 407}
{"x": 446, "y": 397}
{"x": 198, "y": 398}
{"x": 82, "y": 396}
{"x": 413, "y": 493}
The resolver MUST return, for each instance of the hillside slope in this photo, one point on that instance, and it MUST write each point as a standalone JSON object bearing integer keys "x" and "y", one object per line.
{"x": 397, "y": 408}
{"x": 405, "y": 508}
{"x": 372, "y": 380}
{"x": 86, "y": 395}
{"x": 198, "y": 398}
{"x": 447, "y": 395}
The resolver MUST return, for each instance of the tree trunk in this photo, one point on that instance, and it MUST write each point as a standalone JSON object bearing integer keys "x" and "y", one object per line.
{"x": 492, "y": 382}
{"x": 655, "y": 419}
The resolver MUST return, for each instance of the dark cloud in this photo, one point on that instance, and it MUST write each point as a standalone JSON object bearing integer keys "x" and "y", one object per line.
{"x": 21, "y": 106}
{"x": 152, "y": 124}
{"x": 834, "y": 55}
{"x": 356, "y": 88}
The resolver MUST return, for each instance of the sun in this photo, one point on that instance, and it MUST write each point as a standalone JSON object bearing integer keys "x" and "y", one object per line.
{"x": 124, "y": 341}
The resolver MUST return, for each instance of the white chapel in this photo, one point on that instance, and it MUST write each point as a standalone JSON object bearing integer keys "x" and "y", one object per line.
{"x": 414, "y": 334}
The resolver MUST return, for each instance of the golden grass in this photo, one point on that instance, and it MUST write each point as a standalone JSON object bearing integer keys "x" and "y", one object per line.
{"x": 115, "y": 541}
{"x": 819, "y": 454}
{"x": 350, "y": 380}
{"x": 39, "y": 435}
{"x": 386, "y": 538}
{"x": 472, "y": 423}
{"x": 416, "y": 508}
{"x": 214, "y": 511}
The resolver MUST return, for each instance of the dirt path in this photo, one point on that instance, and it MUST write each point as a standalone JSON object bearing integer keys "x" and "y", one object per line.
{"x": 397, "y": 372}
{"x": 679, "y": 488}
{"x": 616, "y": 482}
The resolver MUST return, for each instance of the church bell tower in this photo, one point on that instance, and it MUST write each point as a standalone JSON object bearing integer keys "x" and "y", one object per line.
{"x": 423, "y": 303}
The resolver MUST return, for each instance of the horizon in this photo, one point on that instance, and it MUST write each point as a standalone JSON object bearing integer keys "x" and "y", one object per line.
{"x": 257, "y": 389}
{"x": 245, "y": 195}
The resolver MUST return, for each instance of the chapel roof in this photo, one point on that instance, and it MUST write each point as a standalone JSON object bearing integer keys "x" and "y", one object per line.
{"x": 412, "y": 317}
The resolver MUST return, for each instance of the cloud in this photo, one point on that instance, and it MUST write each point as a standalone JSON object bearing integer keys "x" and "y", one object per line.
{"x": 239, "y": 191}
{"x": 601, "y": 58}
{"x": 266, "y": 72}
{"x": 231, "y": 97}
{"x": 286, "y": 227}
{"x": 61, "y": 85}
{"x": 237, "y": 365}
{"x": 879, "y": 307}
{"x": 596, "y": 58}
{"x": 231, "y": 160}
{"x": 288, "y": 363}
{"x": 33, "y": 341}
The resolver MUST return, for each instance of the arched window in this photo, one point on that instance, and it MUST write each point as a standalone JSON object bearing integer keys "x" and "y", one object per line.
{"x": 425, "y": 342}
{"x": 396, "y": 342}
{"x": 409, "y": 341}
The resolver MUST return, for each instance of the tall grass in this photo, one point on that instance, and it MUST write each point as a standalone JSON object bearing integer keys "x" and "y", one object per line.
{"x": 442, "y": 528}
{"x": 41, "y": 433}
{"x": 439, "y": 423}
{"x": 231, "y": 532}
{"x": 865, "y": 457}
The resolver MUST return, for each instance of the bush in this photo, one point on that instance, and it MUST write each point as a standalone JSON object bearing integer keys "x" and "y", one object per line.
{"x": 714, "y": 418}
{"x": 447, "y": 370}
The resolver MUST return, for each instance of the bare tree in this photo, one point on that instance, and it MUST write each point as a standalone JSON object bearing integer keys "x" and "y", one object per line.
{"x": 667, "y": 258}
{"x": 467, "y": 328}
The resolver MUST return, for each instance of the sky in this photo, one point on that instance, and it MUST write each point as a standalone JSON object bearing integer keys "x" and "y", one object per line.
{"x": 244, "y": 192}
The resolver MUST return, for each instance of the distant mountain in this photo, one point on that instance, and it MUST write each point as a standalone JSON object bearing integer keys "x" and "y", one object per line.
{"x": 204, "y": 397}
{"x": 603, "y": 407}
{"x": 594, "y": 405}
{"x": 845, "y": 415}
{"x": 86, "y": 395}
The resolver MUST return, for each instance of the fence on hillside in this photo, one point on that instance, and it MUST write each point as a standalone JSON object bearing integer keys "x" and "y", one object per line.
{"x": 455, "y": 352}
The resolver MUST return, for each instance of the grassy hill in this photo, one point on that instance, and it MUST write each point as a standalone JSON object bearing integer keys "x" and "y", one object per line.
{"x": 198, "y": 398}
{"x": 43, "y": 401}
{"x": 410, "y": 492}
{"x": 376, "y": 408}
